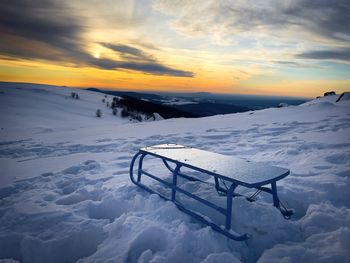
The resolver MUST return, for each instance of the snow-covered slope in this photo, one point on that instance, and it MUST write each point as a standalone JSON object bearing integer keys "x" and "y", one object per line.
{"x": 49, "y": 107}
{"x": 66, "y": 194}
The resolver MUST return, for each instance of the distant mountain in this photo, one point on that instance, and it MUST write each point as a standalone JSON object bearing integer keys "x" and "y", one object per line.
{"x": 129, "y": 93}
{"x": 150, "y": 108}
{"x": 208, "y": 109}
{"x": 172, "y": 106}
{"x": 248, "y": 101}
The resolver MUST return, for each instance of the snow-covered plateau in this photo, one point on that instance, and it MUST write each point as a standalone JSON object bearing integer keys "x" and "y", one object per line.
{"x": 66, "y": 195}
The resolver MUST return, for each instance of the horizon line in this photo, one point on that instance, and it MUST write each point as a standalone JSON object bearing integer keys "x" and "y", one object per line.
{"x": 150, "y": 91}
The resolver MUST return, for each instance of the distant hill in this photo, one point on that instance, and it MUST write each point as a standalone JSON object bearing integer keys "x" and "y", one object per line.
{"x": 150, "y": 107}
{"x": 173, "y": 106}
{"x": 208, "y": 109}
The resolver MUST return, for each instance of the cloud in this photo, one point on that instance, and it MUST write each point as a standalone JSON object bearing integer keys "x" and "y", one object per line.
{"x": 327, "y": 18}
{"x": 128, "y": 52}
{"x": 45, "y": 24}
{"x": 289, "y": 63}
{"x": 150, "y": 68}
{"x": 49, "y": 30}
{"x": 288, "y": 20}
{"x": 342, "y": 54}
{"x": 136, "y": 59}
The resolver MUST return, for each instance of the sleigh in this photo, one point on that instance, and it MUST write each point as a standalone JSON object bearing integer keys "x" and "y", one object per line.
{"x": 227, "y": 174}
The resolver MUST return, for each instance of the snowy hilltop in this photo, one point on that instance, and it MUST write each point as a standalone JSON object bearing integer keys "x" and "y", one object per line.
{"x": 66, "y": 195}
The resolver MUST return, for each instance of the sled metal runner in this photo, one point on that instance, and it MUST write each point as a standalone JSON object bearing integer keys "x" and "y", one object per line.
{"x": 230, "y": 171}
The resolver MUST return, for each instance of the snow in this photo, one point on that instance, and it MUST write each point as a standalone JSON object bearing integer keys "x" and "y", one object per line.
{"x": 66, "y": 195}
{"x": 157, "y": 117}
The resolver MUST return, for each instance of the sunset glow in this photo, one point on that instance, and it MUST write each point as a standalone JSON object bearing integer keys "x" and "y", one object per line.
{"x": 289, "y": 48}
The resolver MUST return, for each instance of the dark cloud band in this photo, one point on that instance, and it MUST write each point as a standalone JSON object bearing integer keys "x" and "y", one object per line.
{"x": 136, "y": 59}
{"x": 336, "y": 54}
{"x": 150, "y": 68}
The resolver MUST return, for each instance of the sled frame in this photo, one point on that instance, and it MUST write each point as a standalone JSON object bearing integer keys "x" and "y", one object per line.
{"x": 229, "y": 192}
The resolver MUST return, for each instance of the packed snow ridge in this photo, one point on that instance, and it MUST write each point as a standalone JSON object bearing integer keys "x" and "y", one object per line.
{"x": 66, "y": 195}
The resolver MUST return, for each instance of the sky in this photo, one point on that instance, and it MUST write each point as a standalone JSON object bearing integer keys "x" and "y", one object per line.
{"x": 263, "y": 47}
